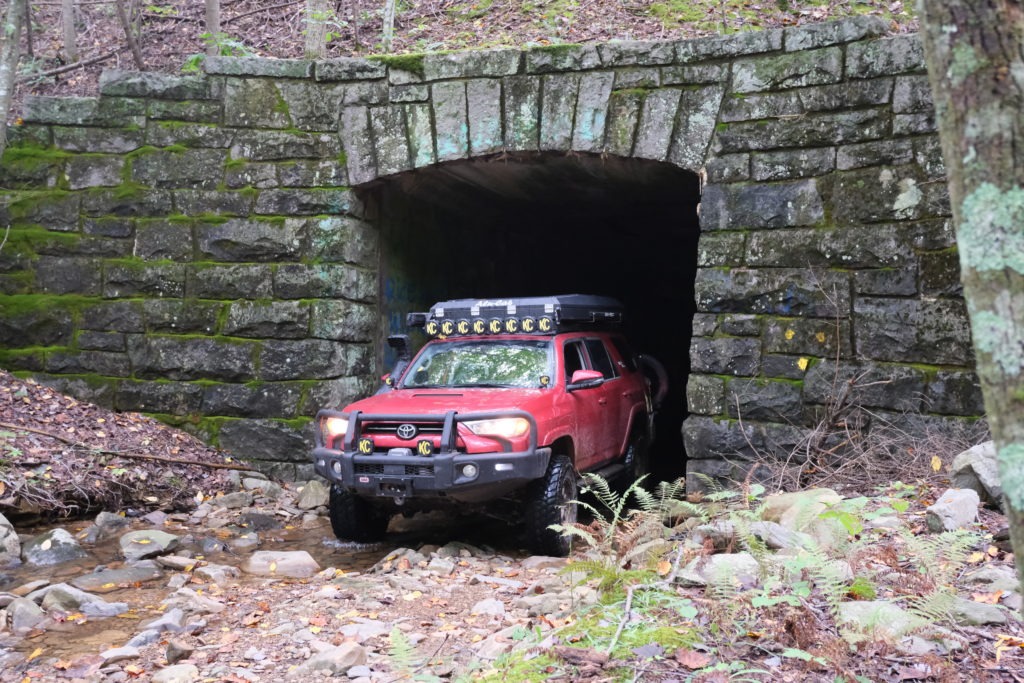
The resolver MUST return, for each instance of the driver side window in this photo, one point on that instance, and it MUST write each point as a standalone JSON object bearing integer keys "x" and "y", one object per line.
{"x": 574, "y": 359}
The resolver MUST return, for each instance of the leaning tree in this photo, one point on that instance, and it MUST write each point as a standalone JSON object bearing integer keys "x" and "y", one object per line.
{"x": 975, "y": 55}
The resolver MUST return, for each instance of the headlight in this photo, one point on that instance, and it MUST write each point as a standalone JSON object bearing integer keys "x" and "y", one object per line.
{"x": 506, "y": 427}
{"x": 332, "y": 428}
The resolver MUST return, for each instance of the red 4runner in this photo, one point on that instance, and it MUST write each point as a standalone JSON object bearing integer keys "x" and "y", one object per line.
{"x": 509, "y": 401}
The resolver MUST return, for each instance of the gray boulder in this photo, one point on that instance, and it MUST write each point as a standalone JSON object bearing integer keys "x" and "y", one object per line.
{"x": 138, "y": 545}
{"x": 56, "y": 546}
{"x": 977, "y": 469}
{"x": 10, "y": 546}
{"x": 67, "y": 598}
{"x": 725, "y": 567}
{"x": 955, "y": 509}
{"x": 313, "y": 495}
{"x": 23, "y": 615}
{"x": 296, "y": 564}
{"x": 178, "y": 673}
{"x": 970, "y": 613}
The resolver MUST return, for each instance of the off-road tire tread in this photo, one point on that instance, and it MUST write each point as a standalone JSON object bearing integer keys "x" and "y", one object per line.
{"x": 543, "y": 508}
{"x": 353, "y": 519}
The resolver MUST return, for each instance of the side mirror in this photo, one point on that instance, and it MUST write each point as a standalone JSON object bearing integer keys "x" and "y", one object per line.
{"x": 585, "y": 379}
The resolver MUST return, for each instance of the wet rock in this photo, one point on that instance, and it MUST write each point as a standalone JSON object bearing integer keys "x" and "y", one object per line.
{"x": 955, "y": 509}
{"x": 801, "y": 511}
{"x": 119, "y": 654}
{"x": 53, "y": 547}
{"x": 10, "y": 545}
{"x": 30, "y": 587}
{"x": 977, "y": 469}
{"x": 147, "y": 637}
{"x": 254, "y": 654}
{"x": 497, "y": 644}
{"x": 172, "y": 620}
{"x": 67, "y": 598}
{"x": 231, "y": 501}
{"x": 297, "y": 564}
{"x": 335, "y": 660}
{"x": 113, "y": 579}
{"x": 156, "y": 518}
{"x": 497, "y": 580}
{"x": 258, "y": 521}
{"x": 244, "y": 542}
{"x": 139, "y": 545}
{"x": 178, "y": 650}
{"x": 110, "y": 522}
{"x": 312, "y": 495}
{"x": 23, "y": 615}
{"x": 219, "y": 574}
{"x": 179, "y": 673}
{"x": 178, "y": 563}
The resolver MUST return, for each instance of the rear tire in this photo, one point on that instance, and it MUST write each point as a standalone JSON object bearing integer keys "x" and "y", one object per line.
{"x": 354, "y": 519}
{"x": 552, "y": 500}
{"x": 638, "y": 457}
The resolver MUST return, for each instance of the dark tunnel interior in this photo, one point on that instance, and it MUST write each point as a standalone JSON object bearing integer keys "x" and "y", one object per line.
{"x": 530, "y": 225}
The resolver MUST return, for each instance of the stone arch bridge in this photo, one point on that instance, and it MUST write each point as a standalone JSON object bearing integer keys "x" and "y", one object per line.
{"x": 227, "y": 251}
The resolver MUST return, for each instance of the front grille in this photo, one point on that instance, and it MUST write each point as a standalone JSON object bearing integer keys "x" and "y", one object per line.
{"x": 423, "y": 429}
{"x": 410, "y": 470}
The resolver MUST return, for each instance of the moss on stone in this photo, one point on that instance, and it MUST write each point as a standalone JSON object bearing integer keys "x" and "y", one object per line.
{"x": 413, "y": 63}
{"x": 19, "y": 304}
{"x": 129, "y": 190}
{"x": 22, "y": 204}
{"x": 557, "y": 49}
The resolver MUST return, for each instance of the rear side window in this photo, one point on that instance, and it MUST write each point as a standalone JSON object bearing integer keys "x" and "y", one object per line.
{"x": 626, "y": 353}
{"x": 599, "y": 358}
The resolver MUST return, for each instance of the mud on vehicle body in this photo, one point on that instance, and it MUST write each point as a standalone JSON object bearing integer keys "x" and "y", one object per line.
{"x": 506, "y": 405}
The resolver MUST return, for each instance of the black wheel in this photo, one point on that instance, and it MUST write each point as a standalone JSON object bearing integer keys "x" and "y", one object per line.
{"x": 353, "y": 519}
{"x": 638, "y": 456}
{"x": 552, "y": 500}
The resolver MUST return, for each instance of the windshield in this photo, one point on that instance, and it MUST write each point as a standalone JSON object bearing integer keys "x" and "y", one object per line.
{"x": 480, "y": 363}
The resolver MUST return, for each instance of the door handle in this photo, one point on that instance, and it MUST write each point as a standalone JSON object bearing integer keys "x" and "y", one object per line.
{"x": 602, "y": 401}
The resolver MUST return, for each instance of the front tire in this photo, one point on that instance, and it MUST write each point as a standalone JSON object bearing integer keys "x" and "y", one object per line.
{"x": 353, "y": 519}
{"x": 552, "y": 500}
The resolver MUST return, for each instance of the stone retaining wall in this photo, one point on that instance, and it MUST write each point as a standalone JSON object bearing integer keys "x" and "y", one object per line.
{"x": 191, "y": 246}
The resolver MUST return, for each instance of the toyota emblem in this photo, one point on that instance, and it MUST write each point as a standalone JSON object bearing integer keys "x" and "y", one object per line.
{"x": 406, "y": 431}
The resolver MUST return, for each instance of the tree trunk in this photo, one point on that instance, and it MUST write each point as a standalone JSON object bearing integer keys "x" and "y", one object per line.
{"x": 10, "y": 40}
{"x": 67, "y": 20}
{"x": 973, "y": 49}
{"x": 213, "y": 27}
{"x": 388, "y": 31}
{"x": 129, "y": 34}
{"x": 317, "y": 14}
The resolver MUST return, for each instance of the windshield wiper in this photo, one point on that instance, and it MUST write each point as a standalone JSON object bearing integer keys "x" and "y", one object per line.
{"x": 483, "y": 385}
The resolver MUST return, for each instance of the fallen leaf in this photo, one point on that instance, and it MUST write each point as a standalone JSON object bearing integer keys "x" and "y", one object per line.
{"x": 415, "y": 595}
{"x": 692, "y": 659}
{"x": 975, "y": 558}
{"x": 649, "y": 651}
{"x": 936, "y": 463}
{"x": 987, "y": 598}
{"x": 664, "y": 567}
{"x": 35, "y": 653}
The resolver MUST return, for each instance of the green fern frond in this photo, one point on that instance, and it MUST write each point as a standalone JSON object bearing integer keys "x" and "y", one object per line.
{"x": 935, "y": 607}
{"x": 401, "y": 652}
{"x": 576, "y": 531}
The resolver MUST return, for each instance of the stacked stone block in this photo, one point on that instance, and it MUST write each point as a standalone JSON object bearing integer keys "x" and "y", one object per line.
{"x": 192, "y": 247}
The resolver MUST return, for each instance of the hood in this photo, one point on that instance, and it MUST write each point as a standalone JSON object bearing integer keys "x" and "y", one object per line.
{"x": 434, "y": 401}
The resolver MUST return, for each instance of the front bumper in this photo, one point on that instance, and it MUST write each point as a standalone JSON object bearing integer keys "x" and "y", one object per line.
{"x": 447, "y": 473}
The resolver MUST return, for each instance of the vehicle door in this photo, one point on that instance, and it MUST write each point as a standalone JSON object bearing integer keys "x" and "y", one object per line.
{"x": 586, "y": 406}
{"x": 614, "y": 406}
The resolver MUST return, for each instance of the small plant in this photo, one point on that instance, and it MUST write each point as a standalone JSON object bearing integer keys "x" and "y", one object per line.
{"x": 226, "y": 47}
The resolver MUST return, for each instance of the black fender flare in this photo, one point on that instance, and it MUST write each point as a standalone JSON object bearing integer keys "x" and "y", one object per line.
{"x": 651, "y": 366}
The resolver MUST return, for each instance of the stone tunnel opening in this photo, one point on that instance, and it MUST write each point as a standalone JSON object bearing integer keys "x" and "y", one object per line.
{"x": 530, "y": 225}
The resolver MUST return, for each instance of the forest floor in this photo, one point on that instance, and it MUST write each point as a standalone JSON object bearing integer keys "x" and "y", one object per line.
{"x": 170, "y": 32}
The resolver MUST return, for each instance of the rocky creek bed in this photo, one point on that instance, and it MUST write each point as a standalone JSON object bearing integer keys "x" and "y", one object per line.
{"x": 201, "y": 573}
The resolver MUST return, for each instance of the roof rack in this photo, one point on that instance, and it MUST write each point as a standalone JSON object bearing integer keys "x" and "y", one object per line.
{"x": 518, "y": 315}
